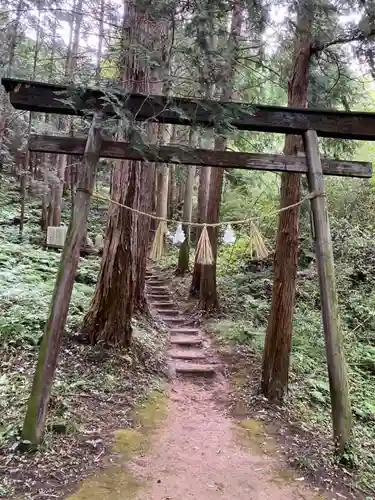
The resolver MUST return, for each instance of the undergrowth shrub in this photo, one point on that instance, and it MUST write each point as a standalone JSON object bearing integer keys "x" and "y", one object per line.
{"x": 245, "y": 292}
{"x": 27, "y": 278}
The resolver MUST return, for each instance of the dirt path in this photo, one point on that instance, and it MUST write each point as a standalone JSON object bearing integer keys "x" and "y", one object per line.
{"x": 199, "y": 452}
{"x": 198, "y": 455}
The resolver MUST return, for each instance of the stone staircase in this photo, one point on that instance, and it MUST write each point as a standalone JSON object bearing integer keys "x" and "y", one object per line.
{"x": 188, "y": 350}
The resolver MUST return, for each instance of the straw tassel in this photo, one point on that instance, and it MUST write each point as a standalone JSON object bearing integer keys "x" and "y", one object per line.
{"x": 158, "y": 245}
{"x": 257, "y": 243}
{"x": 204, "y": 253}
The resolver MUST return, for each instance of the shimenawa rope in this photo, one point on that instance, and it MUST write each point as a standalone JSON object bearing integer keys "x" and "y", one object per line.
{"x": 204, "y": 254}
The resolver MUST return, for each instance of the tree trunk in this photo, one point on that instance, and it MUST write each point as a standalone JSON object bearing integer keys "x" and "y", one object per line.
{"x": 67, "y": 124}
{"x": 181, "y": 190}
{"x": 100, "y": 43}
{"x": 34, "y": 423}
{"x": 142, "y": 237}
{"x": 23, "y": 198}
{"x": 204, "y": 184}
{"x": 172, "y": 191}
{"x": 109, "y": 317}
{"x": 12, "y": 36}
{"x": 120, "y": 287}
{"x": 163, "y": 183}
{"x": 44, "y": 214}
{"x": 183, "y": 255}
{"x": 208, "y": 292}
{"x": 58, "y": 191}
{"x": 278, "y": 341}
{"x": 46, "y": 218}
{"x": 205, "y": 31}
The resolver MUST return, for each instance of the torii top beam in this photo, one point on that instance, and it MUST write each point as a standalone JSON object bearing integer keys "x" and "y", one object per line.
{"x": 49, "y": 98}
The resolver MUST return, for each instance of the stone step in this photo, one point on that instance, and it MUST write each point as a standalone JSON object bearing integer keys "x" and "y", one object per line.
{"x": 170, "y": 313}
{"x": 152, "y": 297}
{"x": 200, "y": 370}
{"x": 187, "y": 354}
{"x": 186, "y": 340}
{"x": 158, "y": 295}
{"x": 157, "y": 290}
{"x": 184, "y": 330}
{"x": 170, "y": 321}
{"x": 155, "y": 283}
{"x": 163, "y": 304}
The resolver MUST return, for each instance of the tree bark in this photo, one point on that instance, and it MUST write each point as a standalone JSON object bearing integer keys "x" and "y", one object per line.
{"x": 142, "y": 237}
{"x": 278, "y": 341}
{"x": 100, "y": 43}
{"x": 207, "y": 77}
{"x": 67, "y": 124}
{"x": 47, "y": 210}
{"x": 163, "y": 183}
{"x": 208, "y": 290}
{"x": 23, "y": 198}
{"x": 204, "y": 183}
{"x": 120, "y": 288}
{"x": 172, "y": 191}
{"x": 109, "y": 317}
{"x": 183, "y": 255}
{"x": 12, "y": 36}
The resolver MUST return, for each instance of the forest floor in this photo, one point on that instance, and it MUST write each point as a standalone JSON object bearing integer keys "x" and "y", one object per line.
{"x": 198, "y": 452}
{"x": 186, "y": 434}
{"x": 196, "y": 440}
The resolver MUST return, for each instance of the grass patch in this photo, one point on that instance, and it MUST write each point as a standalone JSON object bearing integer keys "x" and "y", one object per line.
{"x": 148, "y": 416}
{"x": 117, "y": 482}
{"x": 114, "y": 483}
{"x": 253, "y": 435}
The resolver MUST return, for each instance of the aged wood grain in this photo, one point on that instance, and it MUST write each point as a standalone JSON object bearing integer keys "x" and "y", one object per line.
{"x": 49, "y": 98}
{"x": 200, "y": 157}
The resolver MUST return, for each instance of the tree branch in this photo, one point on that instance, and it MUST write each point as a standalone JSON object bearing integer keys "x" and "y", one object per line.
{"x": 357, "y": 36}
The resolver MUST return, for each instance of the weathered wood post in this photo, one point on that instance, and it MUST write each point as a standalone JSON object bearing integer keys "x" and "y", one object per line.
{"x": 34, "y": 423}
{"x": 340, "y": 402}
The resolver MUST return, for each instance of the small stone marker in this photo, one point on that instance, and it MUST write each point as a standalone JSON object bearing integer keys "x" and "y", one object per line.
{"x": 56, "y": 235}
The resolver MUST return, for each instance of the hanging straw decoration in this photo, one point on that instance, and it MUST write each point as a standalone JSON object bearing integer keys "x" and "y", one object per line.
{"x": 158, "y": 245}
{"x": 229, "y": 237}
{"x": 257, "y": 244}
{"x": 204, "y": 253}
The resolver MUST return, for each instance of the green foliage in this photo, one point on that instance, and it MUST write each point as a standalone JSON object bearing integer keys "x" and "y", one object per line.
{"x": 27, "y": 278}
{"x": 245, "y": 290}
{"x": 28, "y": 273}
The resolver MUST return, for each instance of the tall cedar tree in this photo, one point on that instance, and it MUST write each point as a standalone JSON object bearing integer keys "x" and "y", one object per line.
{"x": 206, "y": 28}
{"x": 208, "y": 291}
{"x": 309, "y": 42}
{"x": 279, "y": 331}
{"x": 124, "y": 256}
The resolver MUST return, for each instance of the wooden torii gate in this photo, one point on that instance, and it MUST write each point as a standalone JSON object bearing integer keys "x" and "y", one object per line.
{"x": 48, "y": 98}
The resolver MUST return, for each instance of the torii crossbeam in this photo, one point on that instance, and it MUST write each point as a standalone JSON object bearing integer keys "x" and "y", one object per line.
{"x": 72, "y": 100}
